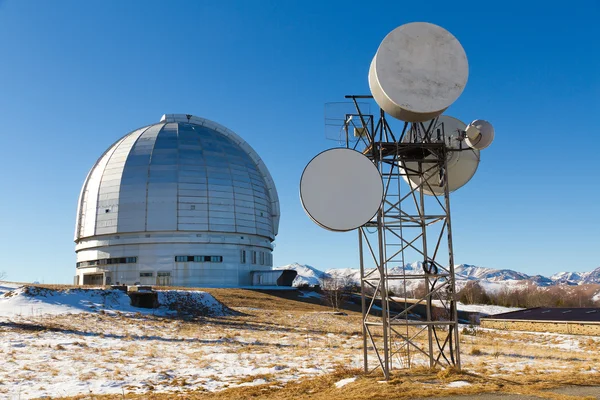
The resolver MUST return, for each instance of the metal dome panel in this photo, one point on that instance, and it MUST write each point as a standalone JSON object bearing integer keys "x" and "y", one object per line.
{"x": 182, "y": 174}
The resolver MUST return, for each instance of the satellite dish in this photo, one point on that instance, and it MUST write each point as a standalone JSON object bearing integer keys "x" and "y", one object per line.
{"x": 461, "y": 165}
{"x": 419, "y": 70}
{"x": 480, "y": 134}
{"x": 341, "y": 189}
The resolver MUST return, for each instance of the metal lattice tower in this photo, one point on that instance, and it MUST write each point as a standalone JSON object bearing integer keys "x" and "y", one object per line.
{"x": 407, "y": 221}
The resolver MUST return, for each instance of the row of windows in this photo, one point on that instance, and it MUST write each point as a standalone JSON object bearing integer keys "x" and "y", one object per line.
{"x": 107, "y": 261}
{"x": 256, "y": 257}
{"x": 151, "y": 274}
{"x": 198, "y": 258}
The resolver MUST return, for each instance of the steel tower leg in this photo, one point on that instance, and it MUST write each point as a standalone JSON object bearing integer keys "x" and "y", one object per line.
{"x": 415, "y": 223}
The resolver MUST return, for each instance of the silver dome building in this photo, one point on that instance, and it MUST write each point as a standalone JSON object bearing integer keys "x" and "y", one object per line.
{"x": 184, "y": 202}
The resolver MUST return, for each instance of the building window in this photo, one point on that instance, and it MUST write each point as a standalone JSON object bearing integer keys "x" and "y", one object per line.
{"x": 199, "y": 259}
{"x": 107, "y": 261}
{"x": 243, "y": 256}
{"x": 262, "y": 258}
{"x": 253, "y": 257}
{"x": 159, "y": 274}
{"x": 146, "y": 274}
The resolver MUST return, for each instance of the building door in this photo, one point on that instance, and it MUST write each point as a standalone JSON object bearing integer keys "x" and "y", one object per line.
{"x": 93, "y": 279}
{"x": 146, "y": 278}
{"x": 163, "y": 279}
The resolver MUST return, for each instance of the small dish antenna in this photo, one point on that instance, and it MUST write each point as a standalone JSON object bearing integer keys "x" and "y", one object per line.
{"x": 479, "y": 134}
{"x": 461, "y": 162}
{"x": 341, "y": 189}
{"x": 419, "y": 70}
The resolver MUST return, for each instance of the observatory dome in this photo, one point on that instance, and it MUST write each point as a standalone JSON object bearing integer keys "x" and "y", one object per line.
{"x": 182, "y": 202}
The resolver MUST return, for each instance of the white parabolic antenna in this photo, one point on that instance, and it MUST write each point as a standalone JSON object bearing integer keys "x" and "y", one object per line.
{"x": 480, "y": 134}
{"x": 461, "y": 165}
{"x": 341, "y": 189}
{"x": 419, "y": 70}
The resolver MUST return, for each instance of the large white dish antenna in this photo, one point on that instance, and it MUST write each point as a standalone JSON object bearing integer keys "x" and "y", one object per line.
{"x": 341, "y": 189}
{"x": 419, "y": 70}
{"x": 461, "y": 165}
{"x": 480, "y": 134}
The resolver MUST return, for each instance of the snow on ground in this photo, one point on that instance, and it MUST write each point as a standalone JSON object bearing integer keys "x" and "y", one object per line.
{"x": 457, "y": 384}
{"x": 34, "y": 301}
{"x": 550, "y": 340}
{"x": 100, "y": 346}
{"x": 344, "y": 382}
{"x": 82, "y": 341}
{"x": 37, "y": 301}
{"x": 485, "y": 309}
{"x": 80, "y": 362}
{"x": 313, "y": 295}
{"x": 103, "y": 354}
{"x": 8, "y": 286}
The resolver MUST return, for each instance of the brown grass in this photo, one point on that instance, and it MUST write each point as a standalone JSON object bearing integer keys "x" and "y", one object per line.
{"x": 403, "y": 385}
{"x": 282, "y": 324}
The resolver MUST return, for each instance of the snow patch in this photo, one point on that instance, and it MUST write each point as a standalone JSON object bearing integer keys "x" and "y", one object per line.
{"x": 31, "y": 301}
{"x": 313, "y": 295}
{"x": 457, "y": 384}
{"x": 344, "y": 382}
{"x": 485, "y": 309}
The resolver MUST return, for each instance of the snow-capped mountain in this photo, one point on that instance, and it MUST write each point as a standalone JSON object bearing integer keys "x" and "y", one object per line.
{"x": 567, "y": 278}
{"x": 577, "y": 278}
{"x": 466, "y": 271}
{"x": 592, "y": 276}
{"x": 491, "y": 279}
{"x": 307, "y": 275}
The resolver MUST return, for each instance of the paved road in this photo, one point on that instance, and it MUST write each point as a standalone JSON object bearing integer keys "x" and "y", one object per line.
{"x": 579, "y": 391}
{"x": 584, "y": 391}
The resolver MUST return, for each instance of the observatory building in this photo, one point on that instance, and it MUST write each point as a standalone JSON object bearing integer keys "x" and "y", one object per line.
{"x": 183, "y": 202}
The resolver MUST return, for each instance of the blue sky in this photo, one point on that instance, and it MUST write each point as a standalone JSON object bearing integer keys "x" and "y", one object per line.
{"x": 75, "y": 76}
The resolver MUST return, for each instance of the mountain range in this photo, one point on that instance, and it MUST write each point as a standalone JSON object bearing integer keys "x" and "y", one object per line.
{"x": 489, "y": 278}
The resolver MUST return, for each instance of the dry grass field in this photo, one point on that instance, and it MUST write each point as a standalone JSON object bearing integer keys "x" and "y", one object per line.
{"x": 278, "y": 346}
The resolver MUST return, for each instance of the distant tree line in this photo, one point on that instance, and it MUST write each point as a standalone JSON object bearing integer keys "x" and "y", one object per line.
{"x": 337, "y": 290}
{"x": 530, "y": 296}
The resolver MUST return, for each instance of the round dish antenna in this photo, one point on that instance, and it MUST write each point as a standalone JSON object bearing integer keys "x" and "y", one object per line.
{"x": 419, "y": 70}
{"x": 480, "y": 134}
{"x": 461, "y": 163}
{"x": 341, "y": 189}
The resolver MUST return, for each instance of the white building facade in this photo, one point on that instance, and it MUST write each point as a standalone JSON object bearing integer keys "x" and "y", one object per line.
{"x": 184, "y": 202}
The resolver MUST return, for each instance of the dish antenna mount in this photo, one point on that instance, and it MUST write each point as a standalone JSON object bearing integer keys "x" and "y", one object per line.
{"x": 393, "y": 186}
